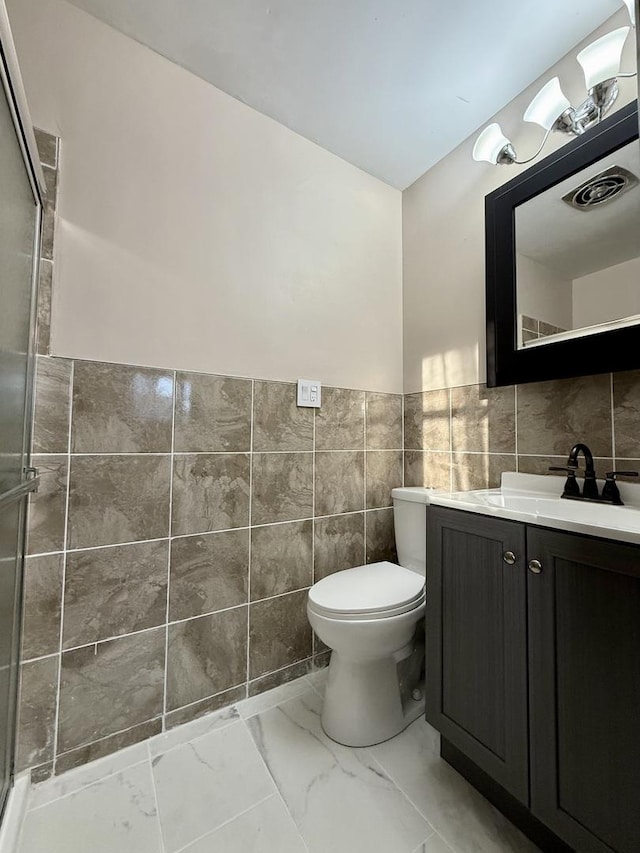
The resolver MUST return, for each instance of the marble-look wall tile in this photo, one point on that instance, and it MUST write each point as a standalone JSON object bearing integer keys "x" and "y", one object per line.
{"x": 37, "y": 711}
{"x": 52, "y": 405}
{"x": 427, "y": 469}
{"x": 110, "y": 687}
{"x": 380, "y": 536}
{"x": 427, "y": 421}
{"x": 114, "y": 499}
{"x": 213, "y": 413}
{"x": 205, "y": 706}
{"x": 479, "y": 470}
{"x": 279, "y": 633}
{"x": 42, "y": 605}
{"x": 107, "y": 745}
{"x": 483, "y": 419}
{"x": 206, "y": 656}
{"x": 338, "y": 544}
{"x": 339, "y": 482}
{"x": 47, "y": 506}
{"x": 47, "y": 148}
{"x": 384, "y": 421}
{"x": 626, "y": 413}
{"x": 282, "y": 487}
{"x": 278, "y": 422}
{"x": 208, "y": 572}
{"x": 281, "y": 558}
{"x": 118, "y": 408}
{"x": 114, "y": 591}
{"x": 280, "y": 677}
{"x": 340, "y": 421}
{"x": 210, "y": 492}
{"x": 41, "y": 773}
{"x": 553, "y": 416}
{"x": 383, "y": 473}
{"x": 623, "y": 465}
{"x": 44, "y": 307}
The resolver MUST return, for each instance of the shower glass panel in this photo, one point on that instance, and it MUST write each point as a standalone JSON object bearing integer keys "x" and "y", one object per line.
{"x": 20, "y": 214}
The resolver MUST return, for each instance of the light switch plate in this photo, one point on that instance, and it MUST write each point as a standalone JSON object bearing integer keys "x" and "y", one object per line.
{"x": 309, "y": 393}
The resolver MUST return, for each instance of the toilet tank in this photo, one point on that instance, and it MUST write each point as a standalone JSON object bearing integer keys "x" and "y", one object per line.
{"x": 410, "y": 522}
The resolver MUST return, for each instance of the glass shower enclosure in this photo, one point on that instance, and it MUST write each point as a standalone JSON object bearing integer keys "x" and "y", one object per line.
{"x": 21, "y": 195}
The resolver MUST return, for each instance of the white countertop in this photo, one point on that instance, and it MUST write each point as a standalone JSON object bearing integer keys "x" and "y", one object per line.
{"x": 536, "y": 499}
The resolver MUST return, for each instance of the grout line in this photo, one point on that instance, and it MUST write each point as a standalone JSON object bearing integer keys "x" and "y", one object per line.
{"x": 391, "y": 776}
{"x": 149, "y": 762}
{"x": 64, "y": 568}
{"x": 250, "y": 565}
{"x": 229, "y": 820}
{"x": 313, "y": 513}
{"x": 613, "y": 423}
{"x": 170, "y": 525}
{"x": 515, "y": 424}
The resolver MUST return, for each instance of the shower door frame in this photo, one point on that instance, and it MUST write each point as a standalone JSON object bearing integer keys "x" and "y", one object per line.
{"x": 11, "y": 84}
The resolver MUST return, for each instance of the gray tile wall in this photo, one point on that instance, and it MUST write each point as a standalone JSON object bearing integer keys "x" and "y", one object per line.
{"x": 180, "y": 521}
{"x": 464, "y": 438}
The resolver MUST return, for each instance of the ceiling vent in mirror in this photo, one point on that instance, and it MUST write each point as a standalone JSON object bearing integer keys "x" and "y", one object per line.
{"x": 601, "y": 189}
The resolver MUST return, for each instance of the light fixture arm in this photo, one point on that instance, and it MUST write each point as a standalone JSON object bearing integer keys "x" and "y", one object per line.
{"x": 505, "y": 153}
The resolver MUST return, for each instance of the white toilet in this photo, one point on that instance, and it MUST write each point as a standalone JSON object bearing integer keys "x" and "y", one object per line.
{"x": 371, "y": 618}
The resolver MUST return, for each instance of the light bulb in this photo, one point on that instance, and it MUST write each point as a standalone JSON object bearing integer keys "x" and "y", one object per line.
{"x": 601, "y": 59}
{"x": 489, "y": 144}
{"x": 631, "y": 6}
{"x": 548, "y": 105}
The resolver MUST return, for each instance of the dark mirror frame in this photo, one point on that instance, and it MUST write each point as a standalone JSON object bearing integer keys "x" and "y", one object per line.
{"x": 603, "y": 352}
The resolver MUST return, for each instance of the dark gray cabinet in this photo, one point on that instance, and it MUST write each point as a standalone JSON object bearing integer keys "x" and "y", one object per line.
{"x": 584, "y": 677}
{"x": 477, "y": 641}
{"x": 534, "y": 677}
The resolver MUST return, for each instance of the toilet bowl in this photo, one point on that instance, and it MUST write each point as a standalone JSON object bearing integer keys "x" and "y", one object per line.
{"x": 371, "y": 618}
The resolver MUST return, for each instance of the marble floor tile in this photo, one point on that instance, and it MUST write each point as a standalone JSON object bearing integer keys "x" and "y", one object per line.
{"x": 339, "y": 798}
{"x": 115, "y": 814}
{"x": 265, "y": 828}
{"x": 462, "y": 816}
{"x": 87, "y": 774}
{"x": 434, "y": 844}
{"x": 202, "y": 784}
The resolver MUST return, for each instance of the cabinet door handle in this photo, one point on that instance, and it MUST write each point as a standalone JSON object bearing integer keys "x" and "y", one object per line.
{"x": 535, "y": 566}
{"x": 509, "y": 558}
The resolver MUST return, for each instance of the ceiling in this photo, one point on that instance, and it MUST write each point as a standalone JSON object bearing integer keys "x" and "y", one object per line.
{"x": 391, "y": 87}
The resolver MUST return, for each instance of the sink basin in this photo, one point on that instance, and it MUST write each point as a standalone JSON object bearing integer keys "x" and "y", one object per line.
{"x": 536, "y": 500}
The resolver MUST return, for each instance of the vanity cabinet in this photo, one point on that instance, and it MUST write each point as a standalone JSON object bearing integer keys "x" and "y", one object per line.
{"x": 533, "y": 676}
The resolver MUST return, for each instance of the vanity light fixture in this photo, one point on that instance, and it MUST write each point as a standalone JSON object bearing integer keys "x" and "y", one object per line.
{"x": 551, "y": 108}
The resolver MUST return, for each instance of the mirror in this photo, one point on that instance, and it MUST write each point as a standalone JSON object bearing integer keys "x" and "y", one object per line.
{"x": 563, "y": 260}
{"x": 578, "y": 253}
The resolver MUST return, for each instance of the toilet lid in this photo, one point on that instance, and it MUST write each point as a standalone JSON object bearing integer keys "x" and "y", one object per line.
{"x": 377, "y": 589}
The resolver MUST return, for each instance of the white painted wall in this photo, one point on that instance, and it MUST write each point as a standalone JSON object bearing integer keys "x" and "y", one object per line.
{"x": 609, "y": 294}
{"x": 196, "y": 233}
{"x": 543, "y": 294}
{"x": 443, "y": 238}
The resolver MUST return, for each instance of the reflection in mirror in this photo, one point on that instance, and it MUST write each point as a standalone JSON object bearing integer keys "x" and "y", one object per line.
{"x": 578, "y": 253}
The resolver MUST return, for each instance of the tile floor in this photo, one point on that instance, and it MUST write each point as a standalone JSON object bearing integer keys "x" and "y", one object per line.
{"x": 261, "y": 777}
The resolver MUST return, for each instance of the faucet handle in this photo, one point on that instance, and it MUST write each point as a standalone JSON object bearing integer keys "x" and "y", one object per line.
{"x": 610, "y": 491}
{"x": 571, "y": 487}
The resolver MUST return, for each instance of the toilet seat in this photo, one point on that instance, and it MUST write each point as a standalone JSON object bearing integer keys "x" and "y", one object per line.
{"x": 375, "y": 591}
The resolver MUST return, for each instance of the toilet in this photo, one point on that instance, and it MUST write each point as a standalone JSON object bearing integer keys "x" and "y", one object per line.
{"x": 371, "y": 618}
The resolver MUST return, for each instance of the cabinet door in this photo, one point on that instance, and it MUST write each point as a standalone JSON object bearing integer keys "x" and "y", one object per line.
{"x": 476, "y": 641}
{"x": 584, "y": 644}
